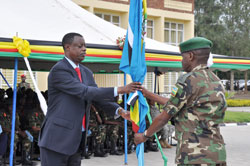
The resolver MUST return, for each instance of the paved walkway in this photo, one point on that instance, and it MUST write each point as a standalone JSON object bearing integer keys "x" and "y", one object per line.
{"x": 239, "y": 109}
{"x": 237, "y": 139}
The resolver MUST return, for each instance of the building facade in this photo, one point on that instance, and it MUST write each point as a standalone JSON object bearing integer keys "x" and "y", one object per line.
{"x": 169, "y": 21}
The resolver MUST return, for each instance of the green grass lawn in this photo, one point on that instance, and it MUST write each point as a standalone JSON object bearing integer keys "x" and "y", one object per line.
{"x": 236, "y": 117}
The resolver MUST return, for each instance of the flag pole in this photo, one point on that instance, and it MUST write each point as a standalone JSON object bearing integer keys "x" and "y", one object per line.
{"x": 125, "y": 125}
{"x": 13, "y": 114}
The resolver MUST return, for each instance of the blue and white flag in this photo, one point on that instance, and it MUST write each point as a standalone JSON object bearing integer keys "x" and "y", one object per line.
{"x": 133, "y": 62}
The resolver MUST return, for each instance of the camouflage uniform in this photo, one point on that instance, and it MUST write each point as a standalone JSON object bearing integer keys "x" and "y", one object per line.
{"x": 5, "y": 121}
{"x": 3, "y": 136}
{"x": 112, "y": 130}
{"x": 23, "y": 84}
{"x": 130, "y": 133}
{"x": 198, "y": 105}
{"x": 98, "y": 131}
{"x": 35, "y": 120}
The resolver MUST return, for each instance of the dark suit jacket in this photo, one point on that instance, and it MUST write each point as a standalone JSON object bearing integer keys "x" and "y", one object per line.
{"x": 69, "y": 99}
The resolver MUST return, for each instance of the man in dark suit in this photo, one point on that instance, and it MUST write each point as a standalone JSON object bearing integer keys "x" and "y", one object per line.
{"x": 71, "y": 90}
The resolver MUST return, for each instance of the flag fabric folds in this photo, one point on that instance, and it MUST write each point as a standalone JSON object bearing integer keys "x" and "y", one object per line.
{"x": 133, "y": 63}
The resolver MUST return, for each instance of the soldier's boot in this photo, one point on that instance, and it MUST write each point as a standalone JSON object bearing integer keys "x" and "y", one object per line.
{"x": 152, "y": 147}
{"x": 130, "y": 147}
{"x": 114, "y": 149}
{"x": 87, "y": 155}
{"x": 98, "y": 152}
{"x": 25, "y": 160}
{"x": 163, "y": 143}
{"x": 1, "y": 161}
{"x": 103, "y": 150}
{"x": 15, "y": 162}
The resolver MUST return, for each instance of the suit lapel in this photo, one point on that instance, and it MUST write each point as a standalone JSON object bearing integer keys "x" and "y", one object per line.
{"x": 71, "y": 68}
{"x": 84, "y": 76}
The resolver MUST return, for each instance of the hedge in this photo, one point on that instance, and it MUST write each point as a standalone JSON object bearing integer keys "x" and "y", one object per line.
{"x": 238, "y": 103}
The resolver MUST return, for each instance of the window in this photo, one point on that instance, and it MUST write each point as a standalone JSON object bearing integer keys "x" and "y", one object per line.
{"x": 170, "y": 79}
{"x": 110, "y": 18}
{"x": 149, "y": 81}
{"x": 150, "y": 29}
{"x": 173, "y": 33}
{"x": 109, "y": 80}
{"x": 9, "y": 75}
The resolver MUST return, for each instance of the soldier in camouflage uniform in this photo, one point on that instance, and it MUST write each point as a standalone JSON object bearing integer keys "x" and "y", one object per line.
{"x": 130, "y": 135}
{"x": 112, "y": 132}
{"x": 198, "y": 104}
{"x": 35, "y": 121}
{"x": 98, "y": 131}
{"x": 5, "y": 120}
{"x": 23, "y": 83}
{"x": 33, "y": 114}
{"x": 3, "y": 135}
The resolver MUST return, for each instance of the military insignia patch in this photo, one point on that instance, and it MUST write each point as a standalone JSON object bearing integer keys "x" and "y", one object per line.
{"x": 174, "y": 91}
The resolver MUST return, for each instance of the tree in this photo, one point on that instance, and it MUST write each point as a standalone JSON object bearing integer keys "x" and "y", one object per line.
{"x": 226, "y": 23}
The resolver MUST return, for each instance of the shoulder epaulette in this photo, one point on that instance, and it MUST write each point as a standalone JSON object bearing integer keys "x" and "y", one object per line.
{"x": 183, "y": 77}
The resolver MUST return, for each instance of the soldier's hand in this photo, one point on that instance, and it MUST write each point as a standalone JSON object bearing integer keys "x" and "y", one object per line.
{"x": 145, "y": 92}
{"x": 139, "y": 138}
{"x": 132, "y": 87}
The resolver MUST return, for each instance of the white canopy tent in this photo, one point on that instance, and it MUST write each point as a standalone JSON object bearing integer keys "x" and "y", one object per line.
{"x": 50, "y": 20}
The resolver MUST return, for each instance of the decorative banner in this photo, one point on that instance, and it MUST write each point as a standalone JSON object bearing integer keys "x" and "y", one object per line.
{"x": 50, "y": 52}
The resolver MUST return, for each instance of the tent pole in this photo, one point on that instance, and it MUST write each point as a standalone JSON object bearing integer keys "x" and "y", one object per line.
{"x": 125, "y": 125}
{"x": 155, "y": 72}
{"x": 13, "y": 114}
{"x": 5, "y": 80}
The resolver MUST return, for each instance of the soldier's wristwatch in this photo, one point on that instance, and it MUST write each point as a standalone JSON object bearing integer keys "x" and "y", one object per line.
{"x": 145, "y": 134}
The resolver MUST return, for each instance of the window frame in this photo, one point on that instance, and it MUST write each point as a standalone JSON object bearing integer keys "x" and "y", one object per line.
{"x": 151, "y": 27}
{"x": 176, "y": 30}
{"x": 111, "y": 18}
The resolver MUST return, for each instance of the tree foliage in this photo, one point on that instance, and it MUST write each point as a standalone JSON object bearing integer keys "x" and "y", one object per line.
{"x": 226, "y": 23}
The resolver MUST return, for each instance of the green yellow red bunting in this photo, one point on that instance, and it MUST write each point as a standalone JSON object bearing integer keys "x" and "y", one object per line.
{"x": 54, "y": 53}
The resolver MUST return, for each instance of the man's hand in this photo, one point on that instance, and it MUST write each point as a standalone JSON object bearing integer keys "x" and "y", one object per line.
{"x": 124, "y": 114}
{"x": 139, "y": 138}
{"x": 132, "y": 87}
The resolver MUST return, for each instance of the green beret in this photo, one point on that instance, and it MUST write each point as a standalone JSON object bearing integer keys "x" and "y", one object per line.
{"x": 194, "y": 44}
